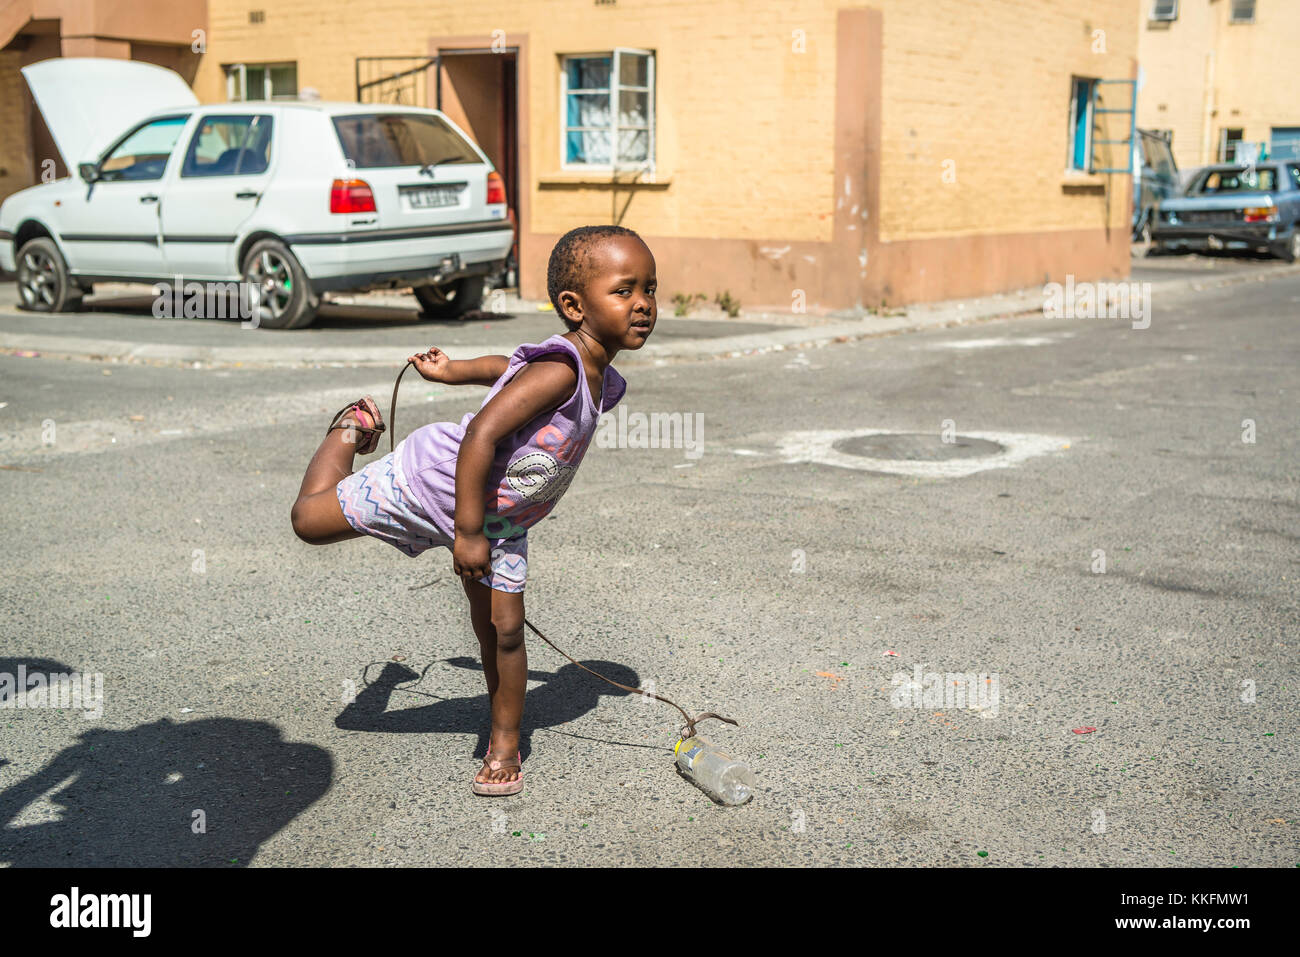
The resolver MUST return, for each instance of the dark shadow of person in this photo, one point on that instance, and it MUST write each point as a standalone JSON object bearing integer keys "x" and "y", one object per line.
{"x": 129, "y": 798}
{"x": 30, "y": 666}
{"x": 567, "y": 694}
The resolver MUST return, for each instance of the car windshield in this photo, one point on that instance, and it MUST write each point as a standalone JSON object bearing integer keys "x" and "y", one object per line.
{"x": 1235, "y": 181}
{"x": 374, "y": 141}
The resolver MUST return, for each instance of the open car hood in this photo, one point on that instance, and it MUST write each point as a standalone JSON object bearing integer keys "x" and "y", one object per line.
{"x": 88, "y": 102}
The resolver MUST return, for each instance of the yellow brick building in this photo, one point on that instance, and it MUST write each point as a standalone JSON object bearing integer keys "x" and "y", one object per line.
{"x": 1220, "y": 72}
{"x": 797, "y": 154}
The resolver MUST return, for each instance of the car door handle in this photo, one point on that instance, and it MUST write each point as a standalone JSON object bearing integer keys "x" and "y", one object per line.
{"x": 149, "y": 198}
{"x": 247, "y": 194}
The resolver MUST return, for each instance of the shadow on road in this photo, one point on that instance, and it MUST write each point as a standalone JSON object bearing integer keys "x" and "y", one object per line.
{"x": 332, "y": 315}
{"x": 128, "y": 798}
{"x": 566, "y": 695}
{"x": 1155, "y": 251}
{"x": 30, "y": 666}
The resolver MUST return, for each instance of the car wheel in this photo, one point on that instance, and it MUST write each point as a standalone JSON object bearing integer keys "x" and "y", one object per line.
{"x": 451, "y": 300}
{"x": 1291, "y": 251}
{"x": 43, "y": 283}
{"x": 284, "y": 295}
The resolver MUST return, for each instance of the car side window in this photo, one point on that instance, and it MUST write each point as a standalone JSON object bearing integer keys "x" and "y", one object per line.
{"x": 1295, "y": 175}
{"x": 229, "y": 146}
{"x": 143, "y": 153}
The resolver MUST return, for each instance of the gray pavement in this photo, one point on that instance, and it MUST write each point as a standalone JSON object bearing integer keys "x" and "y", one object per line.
{"x": 150, "y": 543}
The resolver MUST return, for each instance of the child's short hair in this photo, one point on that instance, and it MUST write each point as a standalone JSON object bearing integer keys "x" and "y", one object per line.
{"x": 570, "y": 264}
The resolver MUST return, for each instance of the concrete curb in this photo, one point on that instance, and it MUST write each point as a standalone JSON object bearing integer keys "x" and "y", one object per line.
{"x": 70, "y": 347}
{"x": 1020, "y": 303}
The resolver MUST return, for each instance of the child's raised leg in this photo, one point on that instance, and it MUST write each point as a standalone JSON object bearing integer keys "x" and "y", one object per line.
{"x": 317, "y": 516}
{"x": 498, "y": 619}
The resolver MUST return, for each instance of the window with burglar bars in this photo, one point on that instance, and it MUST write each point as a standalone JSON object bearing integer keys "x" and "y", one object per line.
{"x": 1243, "y": 11}
{"x": 609, "y": 110}
{"x": 1164, "y": 10}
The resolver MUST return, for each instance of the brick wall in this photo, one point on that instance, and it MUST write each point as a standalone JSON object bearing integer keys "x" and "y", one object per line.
{"x": 1204, "y": 74}
{"x": 745, "y": 123}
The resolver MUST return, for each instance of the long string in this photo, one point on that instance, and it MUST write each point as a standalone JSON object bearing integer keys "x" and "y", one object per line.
{"x": 688, "y": 729}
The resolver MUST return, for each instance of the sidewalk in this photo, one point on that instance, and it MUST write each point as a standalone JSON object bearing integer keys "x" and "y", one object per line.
{"x": 381, "y": 329}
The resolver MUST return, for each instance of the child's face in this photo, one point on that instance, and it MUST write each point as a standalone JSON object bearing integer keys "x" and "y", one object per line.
{"x": 618, "y": 304}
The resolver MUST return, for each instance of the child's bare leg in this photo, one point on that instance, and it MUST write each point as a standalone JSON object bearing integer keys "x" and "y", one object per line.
{"x": 317, "y": 516}
{"x": 498, "y": 619}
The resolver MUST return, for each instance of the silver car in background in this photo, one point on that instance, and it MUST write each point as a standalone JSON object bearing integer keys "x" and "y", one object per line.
{"x": 1230, "y": 206}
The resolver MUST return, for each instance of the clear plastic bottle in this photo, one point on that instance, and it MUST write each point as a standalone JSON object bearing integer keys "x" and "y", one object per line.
{"x": 714, "y": 772}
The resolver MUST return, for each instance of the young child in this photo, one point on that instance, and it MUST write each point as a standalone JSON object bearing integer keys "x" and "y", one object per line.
{"x": 477, "y": 487}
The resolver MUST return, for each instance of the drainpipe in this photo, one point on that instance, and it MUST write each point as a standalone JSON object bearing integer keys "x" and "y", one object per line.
{"x": 1211, "y": 106}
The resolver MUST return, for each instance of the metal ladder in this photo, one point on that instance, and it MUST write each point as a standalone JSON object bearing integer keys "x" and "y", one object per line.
{"x": 1131, "y": 110}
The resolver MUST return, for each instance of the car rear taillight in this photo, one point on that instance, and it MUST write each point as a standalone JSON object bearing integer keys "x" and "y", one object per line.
{"x": 351, "y": 196}
{"x": 496, "y": 189}
{"x": 1260, "y": 214}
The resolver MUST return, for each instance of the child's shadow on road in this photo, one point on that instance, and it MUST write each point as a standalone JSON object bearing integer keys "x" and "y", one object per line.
{"x": 199, "y": 793}
{"x": 565, "y": 695}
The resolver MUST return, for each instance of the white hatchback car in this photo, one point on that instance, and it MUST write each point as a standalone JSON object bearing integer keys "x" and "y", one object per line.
{"x": 290, "y": 198}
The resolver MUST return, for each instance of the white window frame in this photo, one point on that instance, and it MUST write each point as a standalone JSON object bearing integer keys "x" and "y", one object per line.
{"x": 648, "y": 166}
{"x": 1232, "y": 13}
{"x": 1155, "y": 12}
{"x": 1224, "y": 141}
{"x": 241, "y": 70}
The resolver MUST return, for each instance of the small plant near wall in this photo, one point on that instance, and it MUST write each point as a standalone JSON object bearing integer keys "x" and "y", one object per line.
{"x": 683, "y": 303}
{"x": 727, "y": 304}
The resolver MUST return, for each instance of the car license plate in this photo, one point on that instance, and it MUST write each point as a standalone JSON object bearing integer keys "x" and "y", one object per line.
{"x": 433, "y": 197}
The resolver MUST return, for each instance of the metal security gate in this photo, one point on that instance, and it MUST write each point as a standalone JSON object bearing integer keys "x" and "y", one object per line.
{"x": 1129, "y": 110}
{"x": 400, "y": 80}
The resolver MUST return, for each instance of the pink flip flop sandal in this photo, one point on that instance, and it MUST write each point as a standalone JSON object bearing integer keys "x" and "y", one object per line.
{"x": 502, "y": 788}
{"x": 369, "y": 440}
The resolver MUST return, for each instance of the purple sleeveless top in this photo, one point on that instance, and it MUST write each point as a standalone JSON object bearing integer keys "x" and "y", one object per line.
{"x": 531, "y": 469}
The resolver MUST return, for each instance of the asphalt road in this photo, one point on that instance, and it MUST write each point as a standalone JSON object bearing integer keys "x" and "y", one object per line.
{"x": 157, "y": 553}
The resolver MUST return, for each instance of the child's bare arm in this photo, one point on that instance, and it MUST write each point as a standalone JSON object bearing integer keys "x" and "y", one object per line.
{"x": 544, "y": 384}
{"x": 436, "y": 367}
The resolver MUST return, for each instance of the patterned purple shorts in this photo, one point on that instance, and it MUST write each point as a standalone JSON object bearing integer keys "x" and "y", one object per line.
{"x": 377, "y": 501}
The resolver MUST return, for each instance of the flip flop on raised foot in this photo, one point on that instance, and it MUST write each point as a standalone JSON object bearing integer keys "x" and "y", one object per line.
{"x": 362, "y": 411}
{"x": 501, "y": 788}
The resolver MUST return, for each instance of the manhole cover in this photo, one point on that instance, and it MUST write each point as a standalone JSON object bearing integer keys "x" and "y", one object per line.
{"x": 916, "y": 454}
{"x": 916, "y": 447}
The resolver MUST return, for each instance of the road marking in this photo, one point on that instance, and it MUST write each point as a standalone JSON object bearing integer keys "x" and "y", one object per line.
{"x": 992, "y": 343}
{"x": 818, "y": 447}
